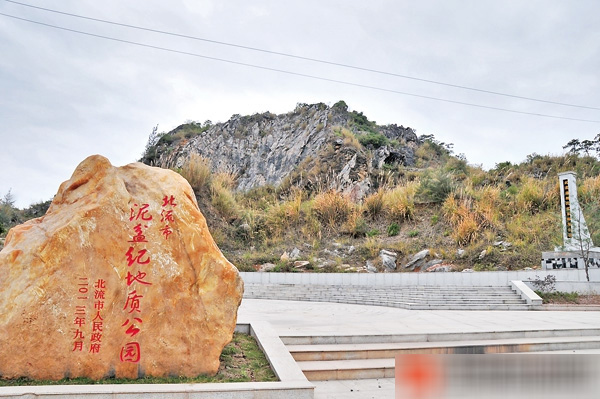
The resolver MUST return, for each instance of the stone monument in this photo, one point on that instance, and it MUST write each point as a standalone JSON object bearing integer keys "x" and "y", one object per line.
{"x": 120, "y": 278}
{"x": 577, "y": 242}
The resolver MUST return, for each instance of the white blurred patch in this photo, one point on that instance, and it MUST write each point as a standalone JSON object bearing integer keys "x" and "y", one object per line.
{"x": 498, "y": 376}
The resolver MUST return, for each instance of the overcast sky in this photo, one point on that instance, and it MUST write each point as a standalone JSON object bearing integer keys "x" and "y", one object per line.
{"x": 65, "y": 96}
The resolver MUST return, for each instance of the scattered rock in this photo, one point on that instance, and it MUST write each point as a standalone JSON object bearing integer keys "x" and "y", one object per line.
{"x": 245, "y": 227}
{"x": 348, "y": 268}
{"x": 461, "y": 252}
{"x": 357, "y": 191}
{"x": 371, "y": 267}
{"x": 417, "y": 260}
{"x": 387, "y": 155}
{"x": 285, "y": 257}
{"x": 301, "y": 263}
{"x": 388, "y": 259}
{"x": 483, "y": 254}
{"x": 295, "y": 254}
{"x": 120, "y": 278}
{"x": 266, "y": 267}
{"x": 468, "y": 271}
{"x": 440, "y": 268}
{"x": 433, "y": 262}
{"x": 334, "y": 253}
{"x": 325, "y": 263}
{"x": 504, "y": 244}
{"x": 351, "y": 249}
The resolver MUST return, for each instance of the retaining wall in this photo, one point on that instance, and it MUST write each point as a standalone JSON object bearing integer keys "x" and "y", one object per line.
{"x": 459, "y": 279}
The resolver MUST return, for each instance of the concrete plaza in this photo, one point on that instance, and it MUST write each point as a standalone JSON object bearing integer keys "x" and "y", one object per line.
{"x": 290, "y": 318}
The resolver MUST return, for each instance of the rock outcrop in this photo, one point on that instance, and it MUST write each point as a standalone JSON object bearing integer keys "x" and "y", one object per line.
{"x": 267, "y": 149}
{"x": 120, "y": 278}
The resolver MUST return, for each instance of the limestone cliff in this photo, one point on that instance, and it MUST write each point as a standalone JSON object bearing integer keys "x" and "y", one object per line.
{"x": 267, "y": 149}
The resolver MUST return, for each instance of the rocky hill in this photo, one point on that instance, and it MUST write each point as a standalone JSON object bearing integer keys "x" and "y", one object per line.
{"x": 314, "y": 147}
{"x": 326, "y": 189}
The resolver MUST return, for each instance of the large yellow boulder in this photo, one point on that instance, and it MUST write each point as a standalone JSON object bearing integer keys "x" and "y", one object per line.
{"x": 121, "y": 277}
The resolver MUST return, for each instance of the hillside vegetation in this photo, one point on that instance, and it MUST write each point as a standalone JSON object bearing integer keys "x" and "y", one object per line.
{"x": 364, "y": 188}
{"x": 501, "y": 219}
{"x": 457, "y": 211}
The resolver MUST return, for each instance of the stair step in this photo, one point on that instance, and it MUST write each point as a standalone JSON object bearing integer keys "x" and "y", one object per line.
{"x": 437, "y": 337}
{"x": 390, "y": 350}
{"x": 374, "y": 294}
{"x": 407, "y": 297}
{"x": 353, "y": 369}
{"x": 348, "y": 369}
{"x": 399, "y": 300}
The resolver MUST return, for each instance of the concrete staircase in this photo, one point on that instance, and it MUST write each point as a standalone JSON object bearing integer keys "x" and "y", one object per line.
{"x": 372, "y": 356}
{"x": 407, "y": 297}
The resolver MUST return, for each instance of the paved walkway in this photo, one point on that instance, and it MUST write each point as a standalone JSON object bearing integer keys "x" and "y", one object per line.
{"x": 290, "y": 318}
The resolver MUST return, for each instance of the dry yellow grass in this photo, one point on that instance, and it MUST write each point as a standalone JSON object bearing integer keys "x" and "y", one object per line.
{"x": 463, "y": 217}
{"x": 590, "y": 189}
{"x": 196, "y": 170}
{"x": 489, "y": 206}
{"x": 374, "y": 204}
{"x": 531, "y": 195}
{"x": 399, "y": 203}
{"x": 285, "y": 214}
{"x": 332, "y": 208}
{"x": 223, "y": 200}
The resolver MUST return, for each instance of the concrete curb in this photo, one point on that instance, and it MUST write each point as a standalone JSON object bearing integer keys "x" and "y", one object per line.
{"x": 558, "y": 308}
{"x": 526, "y": 293}
{"x": 293, "y": 384}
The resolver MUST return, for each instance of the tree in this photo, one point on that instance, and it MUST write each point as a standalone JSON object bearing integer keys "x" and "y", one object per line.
{"x": 576, "y": 146}
{"x": 8, "y": 198}
{"x": 9, "y": 215}
{"x": 587, "y": 146}
{"x": 573, "y": 146}
{"x": 341, "y": 105}
{"x": 583, "y": 238}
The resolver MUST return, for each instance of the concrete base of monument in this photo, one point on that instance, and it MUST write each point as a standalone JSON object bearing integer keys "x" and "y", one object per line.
{"x": 292, "y": 382}
{"x": 553, "y": 260}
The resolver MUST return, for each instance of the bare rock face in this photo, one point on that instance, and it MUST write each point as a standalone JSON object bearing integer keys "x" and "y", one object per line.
{"x": 120, "y": 278}
{"x": 302, "y": 146}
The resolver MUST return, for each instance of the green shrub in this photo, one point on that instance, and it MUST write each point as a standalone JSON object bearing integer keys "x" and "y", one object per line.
{"x": 166, "y": 139}
{"x": 373, "y": 233}
{"x": 356, "y": 226}
{"x": 558, "y": 297}
{"x": 375, "y": 140}
{"x": 435, "y": 188}
{"x": 393, "y": 229}
{"x": 341, "y": 105}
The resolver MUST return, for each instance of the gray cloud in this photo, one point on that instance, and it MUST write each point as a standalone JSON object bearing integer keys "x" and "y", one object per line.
{"x": 66, "y": 96}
